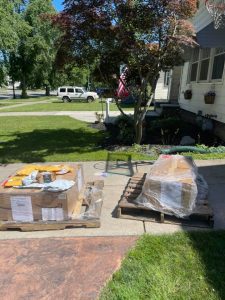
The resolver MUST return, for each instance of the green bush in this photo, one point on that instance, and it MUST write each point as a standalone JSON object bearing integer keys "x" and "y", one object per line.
{"x": 170, "y": 131}
{"x": 125, "y": 132}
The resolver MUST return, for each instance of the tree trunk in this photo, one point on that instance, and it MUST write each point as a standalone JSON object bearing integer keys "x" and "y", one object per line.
{"x": 138, "y": 132}
{"x": 47, "y": 90}
{"x": 24, "y": 88}
{"x": 14, "y": 93}
{"x": 140, "y": 112}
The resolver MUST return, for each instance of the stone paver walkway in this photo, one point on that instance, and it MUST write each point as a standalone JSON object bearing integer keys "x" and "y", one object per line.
{"x": 59, "y": 269}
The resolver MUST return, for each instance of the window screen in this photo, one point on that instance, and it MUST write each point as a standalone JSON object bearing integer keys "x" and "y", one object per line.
{"x": 219, "y": 50}
{"x": 204, "y": 69}
{"x": 194, "y": 65}
{"x": 205, "y": 53}
{"x": 195, "y": 55}
{"x": 218, "y": 66}
{"x": 204, "y": 64}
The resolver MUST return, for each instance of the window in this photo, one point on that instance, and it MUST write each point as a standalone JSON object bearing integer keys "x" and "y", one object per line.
{"x": 194, "y": 65}
{"x": 166, "y": 78}
{"x": 62, "y": 90}
{"x": 79, "y": 91}
{"x": 204, "y": 64}
{"x": 218, "y": 64}
{"x": 69, "y": 90}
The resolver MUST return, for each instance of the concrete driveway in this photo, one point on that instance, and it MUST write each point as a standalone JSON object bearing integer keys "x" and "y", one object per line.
{"x": 213, "y": 171}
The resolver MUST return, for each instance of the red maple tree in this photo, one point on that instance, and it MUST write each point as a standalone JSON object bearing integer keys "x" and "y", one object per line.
{"x": 145, "y": 35}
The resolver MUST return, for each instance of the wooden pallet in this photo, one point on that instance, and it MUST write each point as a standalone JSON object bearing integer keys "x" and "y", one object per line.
{"x": 60, "y": 225}
{"x": 202, "y": 215}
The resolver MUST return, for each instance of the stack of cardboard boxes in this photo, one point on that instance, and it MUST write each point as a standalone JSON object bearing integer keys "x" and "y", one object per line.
{"x": 30, "y": 204}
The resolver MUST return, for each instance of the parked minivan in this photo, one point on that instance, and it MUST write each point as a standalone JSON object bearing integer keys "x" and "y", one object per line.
{"x": 70, "y": 93}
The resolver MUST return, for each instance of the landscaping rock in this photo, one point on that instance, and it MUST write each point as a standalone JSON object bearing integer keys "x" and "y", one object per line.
{"x": 187, "y": 140}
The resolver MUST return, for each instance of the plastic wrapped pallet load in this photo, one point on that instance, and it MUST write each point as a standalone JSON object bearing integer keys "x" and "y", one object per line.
{"x": 173, "y": 186}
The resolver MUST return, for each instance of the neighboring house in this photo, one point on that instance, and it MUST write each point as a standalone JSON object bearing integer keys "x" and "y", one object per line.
{"x": 204, "y": 72}
{"x": 168, "y": 85}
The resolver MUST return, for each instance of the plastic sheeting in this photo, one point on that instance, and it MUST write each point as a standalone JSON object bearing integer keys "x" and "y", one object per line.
{"x": 93, "y": 195}
{"x": 173, "y": 186}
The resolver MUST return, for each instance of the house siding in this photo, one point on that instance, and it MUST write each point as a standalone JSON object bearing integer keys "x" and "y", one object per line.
{"x": 201, "y": 20}
{"x": 197, "y": 102}
{"x": 175, "y": 84}
{"x": 161, "y": 92}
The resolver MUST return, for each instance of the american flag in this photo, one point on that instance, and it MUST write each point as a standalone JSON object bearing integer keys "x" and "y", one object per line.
{"x": 122, "y": 92}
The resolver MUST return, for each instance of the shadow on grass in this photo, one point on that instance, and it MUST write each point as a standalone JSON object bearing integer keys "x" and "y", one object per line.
{"x": 211, "y": 250}
{"x": 210, "y": 246}
{"x": 36, "y": 145}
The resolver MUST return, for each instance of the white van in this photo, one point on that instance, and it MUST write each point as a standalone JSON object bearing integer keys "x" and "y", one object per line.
{"x": 69, "y": 93}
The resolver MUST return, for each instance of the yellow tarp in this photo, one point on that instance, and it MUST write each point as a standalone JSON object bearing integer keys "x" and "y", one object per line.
{"x": 25, "y": 171}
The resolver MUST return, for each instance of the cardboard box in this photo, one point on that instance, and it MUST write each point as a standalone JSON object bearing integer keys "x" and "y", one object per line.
{"x": 29, "y": 205}
{"x": 171, "y": 186}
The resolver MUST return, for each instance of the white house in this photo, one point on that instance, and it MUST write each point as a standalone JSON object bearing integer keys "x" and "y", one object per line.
{"x": 168, "y": 86}
{"x": 205, "y": 71}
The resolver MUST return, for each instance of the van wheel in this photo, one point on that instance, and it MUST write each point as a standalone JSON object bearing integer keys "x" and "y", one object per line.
{"x": 66, "y": 99}
{"x": 90, "y": 99}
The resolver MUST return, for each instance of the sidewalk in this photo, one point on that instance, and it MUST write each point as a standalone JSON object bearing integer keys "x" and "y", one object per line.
{"x": 86, "y": 116}
{"x": 212, "y": 170}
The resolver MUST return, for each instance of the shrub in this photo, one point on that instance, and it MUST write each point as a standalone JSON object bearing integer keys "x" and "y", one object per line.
{"x": 125, "y": 130}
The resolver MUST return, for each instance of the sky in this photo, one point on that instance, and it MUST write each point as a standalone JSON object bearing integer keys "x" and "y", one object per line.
{"x": 58, "y": 4}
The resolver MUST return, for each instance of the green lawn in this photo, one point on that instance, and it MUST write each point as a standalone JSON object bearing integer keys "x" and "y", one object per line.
{"x": 40, "y": 139}
{"x": 204, "y": 156}
{"x": 33, "y": 139}
{"x": 184, "y": 266}
{"x": 6, "y": 104}
{"x": 29, "y": 99}
{"x": 55, "y": 105}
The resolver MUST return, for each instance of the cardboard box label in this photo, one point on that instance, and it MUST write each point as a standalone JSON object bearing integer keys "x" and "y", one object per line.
{"x": 22, "y": 208}
{"x": 62, "y": 196}
{"x": 52, "y": 214}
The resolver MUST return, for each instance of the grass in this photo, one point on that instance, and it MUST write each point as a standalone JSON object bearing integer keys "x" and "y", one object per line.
{"x": 6, "y": 104}
{"x": 40, "y": 139}
{"x": 206, "y": 156}
{"x": 55, "y": 105}
{"x": 183, "y": 266}
{"x": 29, "y": 99}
